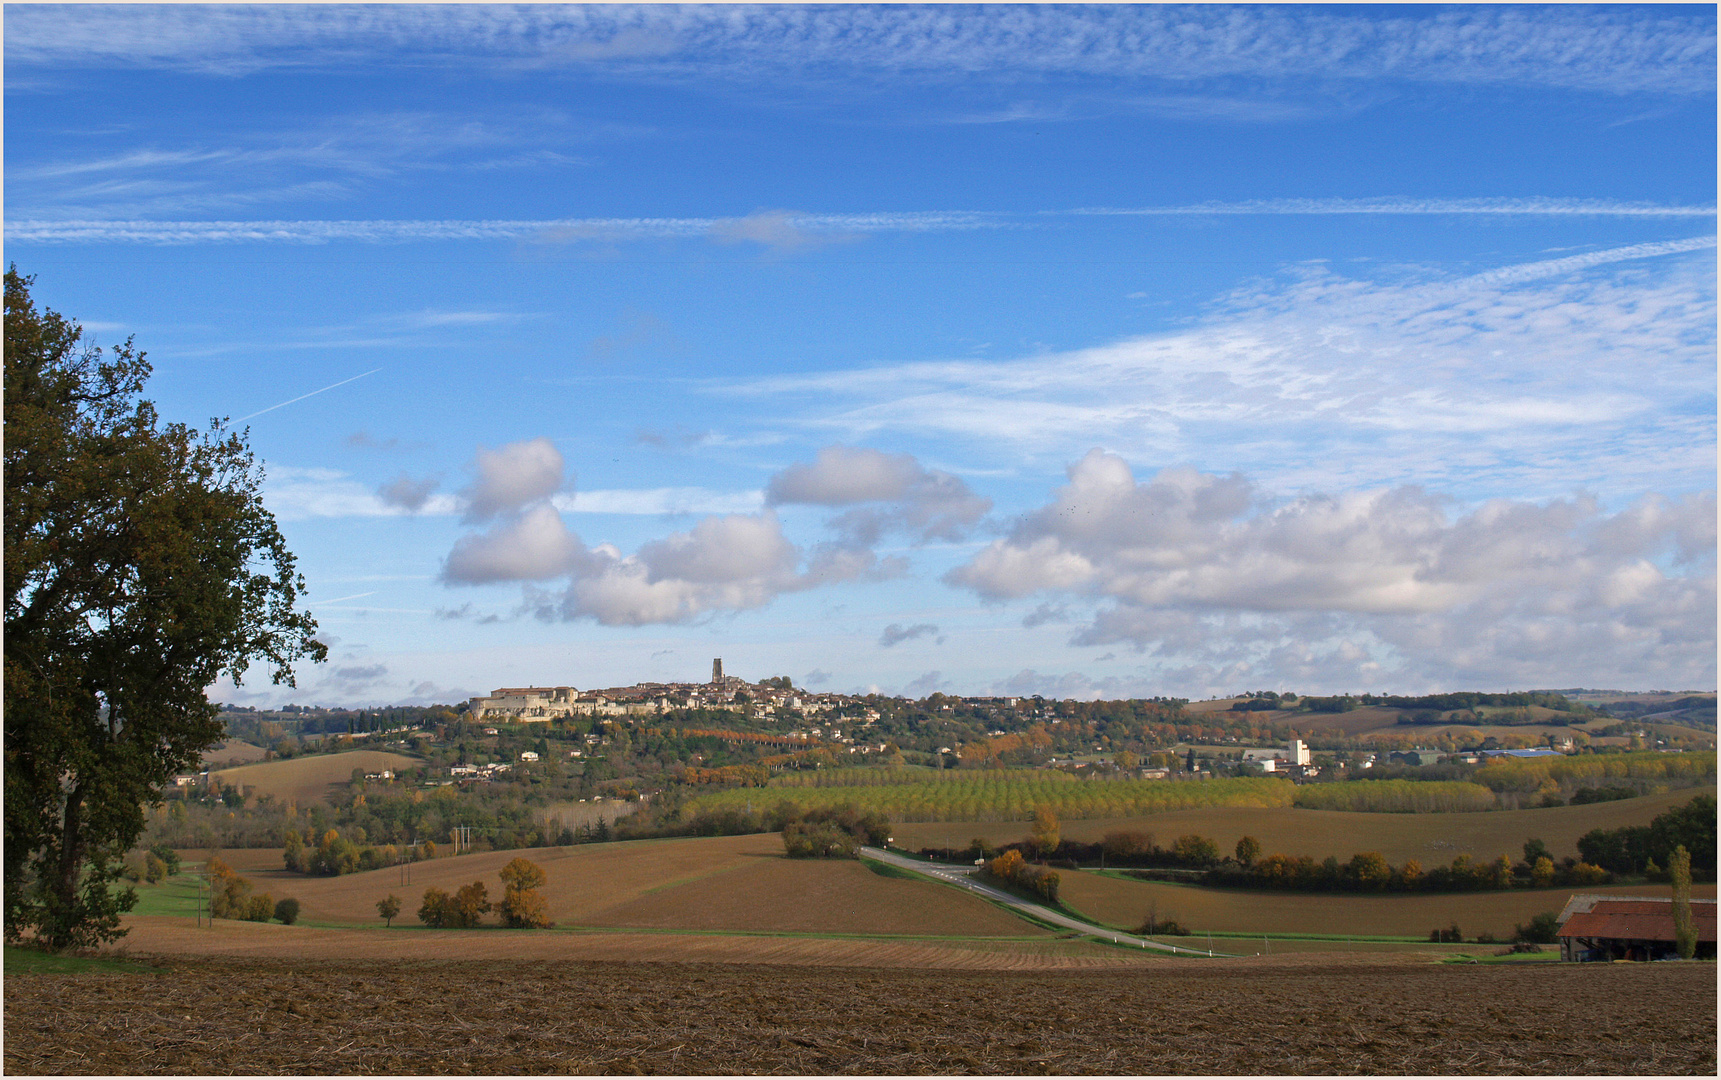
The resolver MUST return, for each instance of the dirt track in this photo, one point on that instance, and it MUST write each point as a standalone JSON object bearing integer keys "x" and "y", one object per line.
{"x": 1188, "y": 1017}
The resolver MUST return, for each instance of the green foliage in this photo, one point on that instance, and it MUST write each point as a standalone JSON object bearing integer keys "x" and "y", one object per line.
{"x": 1002, "y": 794}
{"x": 1542, "y": 929}
{"x": 434, "y": 911}
{"x": 1631, "y": 849}
{"x": 1574, "y": 770}
{"x": 1248, "y": 850}
{"x": 1609, "y": 793}
{"x": 1684, "y": 930}
{"x": 140, "y": 565}
{"x": 832, "y": 832}
{"x": 287, "y": 910}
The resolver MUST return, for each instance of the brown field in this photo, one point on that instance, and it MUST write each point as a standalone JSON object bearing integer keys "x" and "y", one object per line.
{"x": 232, "y": 752}
{"x": 307, "y": 779}
{"x": 737, "y": 883}
{"x": 1125, "y": 902}
{"x": 1279, "y": 1016}
{"x": 1428, "y": 838}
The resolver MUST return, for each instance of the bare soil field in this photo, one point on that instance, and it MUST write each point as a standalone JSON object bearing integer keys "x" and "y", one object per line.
{"x": 1125, "y": 902}
{"x": 307, "y": 779}
{"x": 1428, "y": 838}
{"x": 154, "y": 935}
{"x": 738, "y": 883}
{"x": 1291, "y": 1015}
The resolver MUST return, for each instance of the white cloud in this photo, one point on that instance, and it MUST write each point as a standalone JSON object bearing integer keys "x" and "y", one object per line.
{"x": 1488, "y": 207}
{"x": 1386, "y": 583}
{"x": 1619, "y": 51}
{"x": 1590, "y": 371}
{"x": 726, "y": 563}
{"x": 512, "y": 476}
{"x": 654, "y": 501}
{"x": 811, "y": 227}
{"x": 532, "y": 547}
{"x": 930, "y": 502}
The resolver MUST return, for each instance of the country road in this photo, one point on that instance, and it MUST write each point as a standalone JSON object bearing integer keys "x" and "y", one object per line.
{"x": 962, "y": 876}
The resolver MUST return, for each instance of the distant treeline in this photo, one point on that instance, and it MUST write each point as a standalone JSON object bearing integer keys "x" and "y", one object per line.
{"x": 1439, "y": 703}
{"x": 1645, "y": 849}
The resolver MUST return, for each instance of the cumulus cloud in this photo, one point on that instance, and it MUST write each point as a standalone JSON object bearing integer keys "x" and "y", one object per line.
{"x": 534, "y": 546}
{"x": 896, "y": 633}
{"x": 929, "y": 503}
{"x": 730, "y": 562}
{"x": 1395, "y": 582}
{"x": 512, "y": 476}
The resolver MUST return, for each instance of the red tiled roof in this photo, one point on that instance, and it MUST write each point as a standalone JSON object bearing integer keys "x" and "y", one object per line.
{"x": 1641, "y": 920}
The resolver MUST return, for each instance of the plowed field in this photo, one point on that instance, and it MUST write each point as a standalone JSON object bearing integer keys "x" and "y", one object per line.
{"x": 1125, "y": 903}
{"x": 1223, "y": 1017}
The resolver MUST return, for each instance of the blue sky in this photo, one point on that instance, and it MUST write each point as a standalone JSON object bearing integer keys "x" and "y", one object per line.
{"x": 1092, "y": 351}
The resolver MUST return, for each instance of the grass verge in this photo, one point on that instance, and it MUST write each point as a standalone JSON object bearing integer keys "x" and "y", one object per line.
{"x": 26, "y": 961}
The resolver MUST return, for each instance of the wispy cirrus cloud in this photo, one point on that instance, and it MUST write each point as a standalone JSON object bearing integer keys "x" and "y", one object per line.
{"x": 780, "y": 229}
{"x": 1593, "y": 371}
{"x": 1406, "y": 206}
{"x": 1637, "y": 51}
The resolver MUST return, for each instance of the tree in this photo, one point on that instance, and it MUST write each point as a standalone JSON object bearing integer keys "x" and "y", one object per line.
{"x": 468, "y": 905}
{"x": 1248, "y": 850}
{"x": 140, "y": 564}
{"x": 1684, "y": 933}
{"x": 287, "y": 910}
{"x": 522, "y": 907}
{"x": 388, "y": 907}
{"x": 433, "y": 912}
{"x": 1046, "y": 831}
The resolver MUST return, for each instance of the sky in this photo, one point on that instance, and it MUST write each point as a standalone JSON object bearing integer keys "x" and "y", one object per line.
{"x": 1093, "y": 351}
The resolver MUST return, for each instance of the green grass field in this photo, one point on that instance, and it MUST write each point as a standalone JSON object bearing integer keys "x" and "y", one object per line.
{"x": 22, "y": 961}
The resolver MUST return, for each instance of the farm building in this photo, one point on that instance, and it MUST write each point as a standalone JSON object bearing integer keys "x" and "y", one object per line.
{"x": 1629, "y": 928}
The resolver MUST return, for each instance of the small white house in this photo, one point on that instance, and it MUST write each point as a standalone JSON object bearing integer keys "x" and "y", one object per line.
{"x": 528, "y": 755}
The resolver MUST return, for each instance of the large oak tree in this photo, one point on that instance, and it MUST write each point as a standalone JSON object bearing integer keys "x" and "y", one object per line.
{"x": 140, "y": 565}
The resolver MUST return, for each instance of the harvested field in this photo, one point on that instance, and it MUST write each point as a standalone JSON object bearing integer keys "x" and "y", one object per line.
{"x": 1125, "y": 902}
{"x": 232, "y": 752}
{"x": 1428, "y": 838}
{"x": 1293, "y": 1015}
{"x": 740, "y": 883}
{"x": 307, "y": 779}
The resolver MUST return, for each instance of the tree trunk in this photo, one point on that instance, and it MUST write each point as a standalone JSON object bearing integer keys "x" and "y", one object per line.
{"x": 63, "y": 919}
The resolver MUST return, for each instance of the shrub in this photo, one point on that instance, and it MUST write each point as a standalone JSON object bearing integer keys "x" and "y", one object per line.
{"x": 1543, "y": 929}
{"x": 287, "y": 910}
{"x": 259, "y": 908}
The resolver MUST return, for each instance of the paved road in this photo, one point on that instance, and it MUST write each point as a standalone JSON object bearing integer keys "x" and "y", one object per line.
{"x": 962, "y": 876}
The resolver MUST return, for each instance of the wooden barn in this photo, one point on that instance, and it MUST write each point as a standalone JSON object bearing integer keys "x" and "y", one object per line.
{"x": 1629, "y": 928}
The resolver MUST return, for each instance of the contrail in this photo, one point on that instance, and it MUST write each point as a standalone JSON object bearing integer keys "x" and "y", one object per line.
{"x": 354, "y": 596}
{"x": 302, "y": 397}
